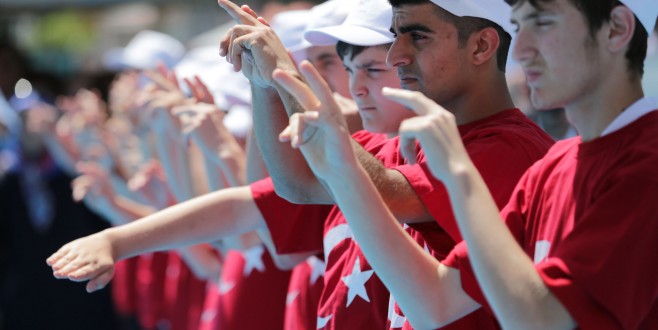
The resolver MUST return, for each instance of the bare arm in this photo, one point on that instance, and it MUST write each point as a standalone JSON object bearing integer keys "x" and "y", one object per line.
{"x": 430, "y": 294}
{"x": 203, "y": 219}
{"x": 506, "y": 274}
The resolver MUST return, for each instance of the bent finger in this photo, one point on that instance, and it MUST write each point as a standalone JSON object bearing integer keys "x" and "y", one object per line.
{"x": 413, "y": 100}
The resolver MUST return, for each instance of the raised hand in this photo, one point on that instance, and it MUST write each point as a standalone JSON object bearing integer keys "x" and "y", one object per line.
{"x": 201, "y": 122}
{"x": 199, "y": 90}
{"x": 150, "y": 182}
{"x": 253, "y": 47}
{"x": 93, "y": 185}
{"x": 320, "y": 132}
{"x": 435, "y": 129}
{"x": 89, "y": 258}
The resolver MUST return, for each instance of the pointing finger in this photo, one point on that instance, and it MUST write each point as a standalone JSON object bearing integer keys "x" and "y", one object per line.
{"x": 237, "y": 13}
{"x": 318, "y": 84}
{"x": 413, "y": 100}
{"x": 297, "y": 88}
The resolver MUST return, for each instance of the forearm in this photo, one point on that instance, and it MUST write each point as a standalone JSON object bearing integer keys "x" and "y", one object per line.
{"x": 398, "y": 195}
{"x": 504, "y": 271}
{"x": 256, "y": 169}
{"x": 428, "y": 296}
{"x": 203, "y": 219}
{"x": 173, "y": 158}
{"x": 232, "y": 161}
{"x": 292, "y": 177}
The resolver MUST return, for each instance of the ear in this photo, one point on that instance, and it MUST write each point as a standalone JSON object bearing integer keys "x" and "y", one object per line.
{"x": 485, "y": 45}
{"x": 621, "y": 29}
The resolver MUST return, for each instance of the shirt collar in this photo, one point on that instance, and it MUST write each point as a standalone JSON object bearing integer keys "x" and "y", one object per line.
{"x": 638, "y": 109}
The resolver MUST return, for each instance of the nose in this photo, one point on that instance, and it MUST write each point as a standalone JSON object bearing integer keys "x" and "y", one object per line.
{"x": 358, "y": 87}
{"x": 523, "y": 48}
{"x": 398, "y": 54}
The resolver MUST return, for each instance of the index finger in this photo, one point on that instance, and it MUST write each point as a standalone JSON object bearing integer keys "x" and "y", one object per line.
{"x": 318, "y": 85}
{"x": 302, "y": 93}
{"x": 237, "y": 13}
{"x": 413, "y": 100}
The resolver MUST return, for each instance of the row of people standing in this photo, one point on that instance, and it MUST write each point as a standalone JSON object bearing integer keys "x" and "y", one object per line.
{"x": 413, "y": 236}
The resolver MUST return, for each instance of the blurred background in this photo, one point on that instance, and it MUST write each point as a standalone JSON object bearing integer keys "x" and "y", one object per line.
{"x": 74, "y": 40}
{"x": 50, "y": 48}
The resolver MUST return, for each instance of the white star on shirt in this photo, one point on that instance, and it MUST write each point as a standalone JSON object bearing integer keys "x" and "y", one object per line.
{"x": 356, "y": 281}
{"x": 427, "y": 250}
{"x": 322, "y": 321}
{"x": 317, "y": 268}
{"x": 253, "y": 258}
{"x": 397, "y": 320}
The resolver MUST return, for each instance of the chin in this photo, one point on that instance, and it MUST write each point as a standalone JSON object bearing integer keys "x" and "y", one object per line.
{"x": 541, "y": 101}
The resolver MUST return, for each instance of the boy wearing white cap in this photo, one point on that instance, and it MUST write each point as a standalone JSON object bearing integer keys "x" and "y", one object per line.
{"x": 576, "y": 248}
{"x": 489, "y": 136}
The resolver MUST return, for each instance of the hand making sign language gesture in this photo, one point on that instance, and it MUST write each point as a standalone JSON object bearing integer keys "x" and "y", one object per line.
{"x": 321, "y": 131}
{"x": 252, "y": 46}
{"x": 435, "y": 129}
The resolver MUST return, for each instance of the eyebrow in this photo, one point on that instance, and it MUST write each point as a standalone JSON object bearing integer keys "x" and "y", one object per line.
{"x": 369, "y": 64}
{"x": 533, "y": 15}
{"x": 325, "y": 57}
{"x": 412, "y": 28}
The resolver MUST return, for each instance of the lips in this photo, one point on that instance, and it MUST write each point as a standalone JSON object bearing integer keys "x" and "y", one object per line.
{"x": 532, "y": 75}
{"x": 366, "y": 108}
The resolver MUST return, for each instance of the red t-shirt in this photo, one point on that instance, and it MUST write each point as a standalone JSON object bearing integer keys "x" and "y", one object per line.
{"x": 304, "y": 290}
{"x": 252, "y": 292}
{"x": 502, "y": 147}
{"x": 184, "y": 296}
{"x": 586, "y": 215}
{"x": 149, "y": 289}
{"x": 354, "y": 298}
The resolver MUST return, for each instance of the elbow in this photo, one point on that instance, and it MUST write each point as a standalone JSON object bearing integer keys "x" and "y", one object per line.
{"x": 293, "y": 192}
{"x": 289, "y": 261}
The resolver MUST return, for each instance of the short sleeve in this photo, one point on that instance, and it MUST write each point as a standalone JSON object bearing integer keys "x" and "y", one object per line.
{"x": 458, "y": 259}
{"x": 604, "y": 272}
{"x": 499, "y": 160}
{"x": 294, "y": 228}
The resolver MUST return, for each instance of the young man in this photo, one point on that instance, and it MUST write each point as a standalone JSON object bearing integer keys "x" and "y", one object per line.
{"x": 354, "y": 297}
{"x": 463, "y": 72}
{"x": 575, "y": 217}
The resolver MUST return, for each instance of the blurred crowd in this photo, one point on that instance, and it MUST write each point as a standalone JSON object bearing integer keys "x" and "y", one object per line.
{"x": 170, "y": 124}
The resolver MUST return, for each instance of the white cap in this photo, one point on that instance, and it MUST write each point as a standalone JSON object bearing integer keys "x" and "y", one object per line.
{"x": 147, "y": 48}
{"x": 329, "y": 13}
{"x": 227, "y": 86}
{"x": 497, "y": 11}
{"x": 230, "y": 89}
{"x": 367, "y": 25}
{"x": 645, "y": 10}
{"x": 290, "y": 26}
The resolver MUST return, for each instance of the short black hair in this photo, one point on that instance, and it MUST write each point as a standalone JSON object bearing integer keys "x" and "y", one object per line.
{"x": 596, "y": 14}
{"x": 466, "y": 26}
{"x": 349, "y": 50}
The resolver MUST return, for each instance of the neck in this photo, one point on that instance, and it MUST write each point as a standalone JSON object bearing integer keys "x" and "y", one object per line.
{"x": 592, "y": 114}
{"x": 485, "y": 98}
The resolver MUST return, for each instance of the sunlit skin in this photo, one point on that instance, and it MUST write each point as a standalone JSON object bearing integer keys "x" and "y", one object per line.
{"x": 426, "y": 54}
{"x": 562, "y": 73}
{"x": 549, "y": 46}
{"x": 368, "y": 75}
{"x": 328, "y": 63}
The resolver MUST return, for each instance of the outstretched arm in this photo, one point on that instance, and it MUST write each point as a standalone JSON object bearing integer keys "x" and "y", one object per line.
{"x": 203, "y": 219}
